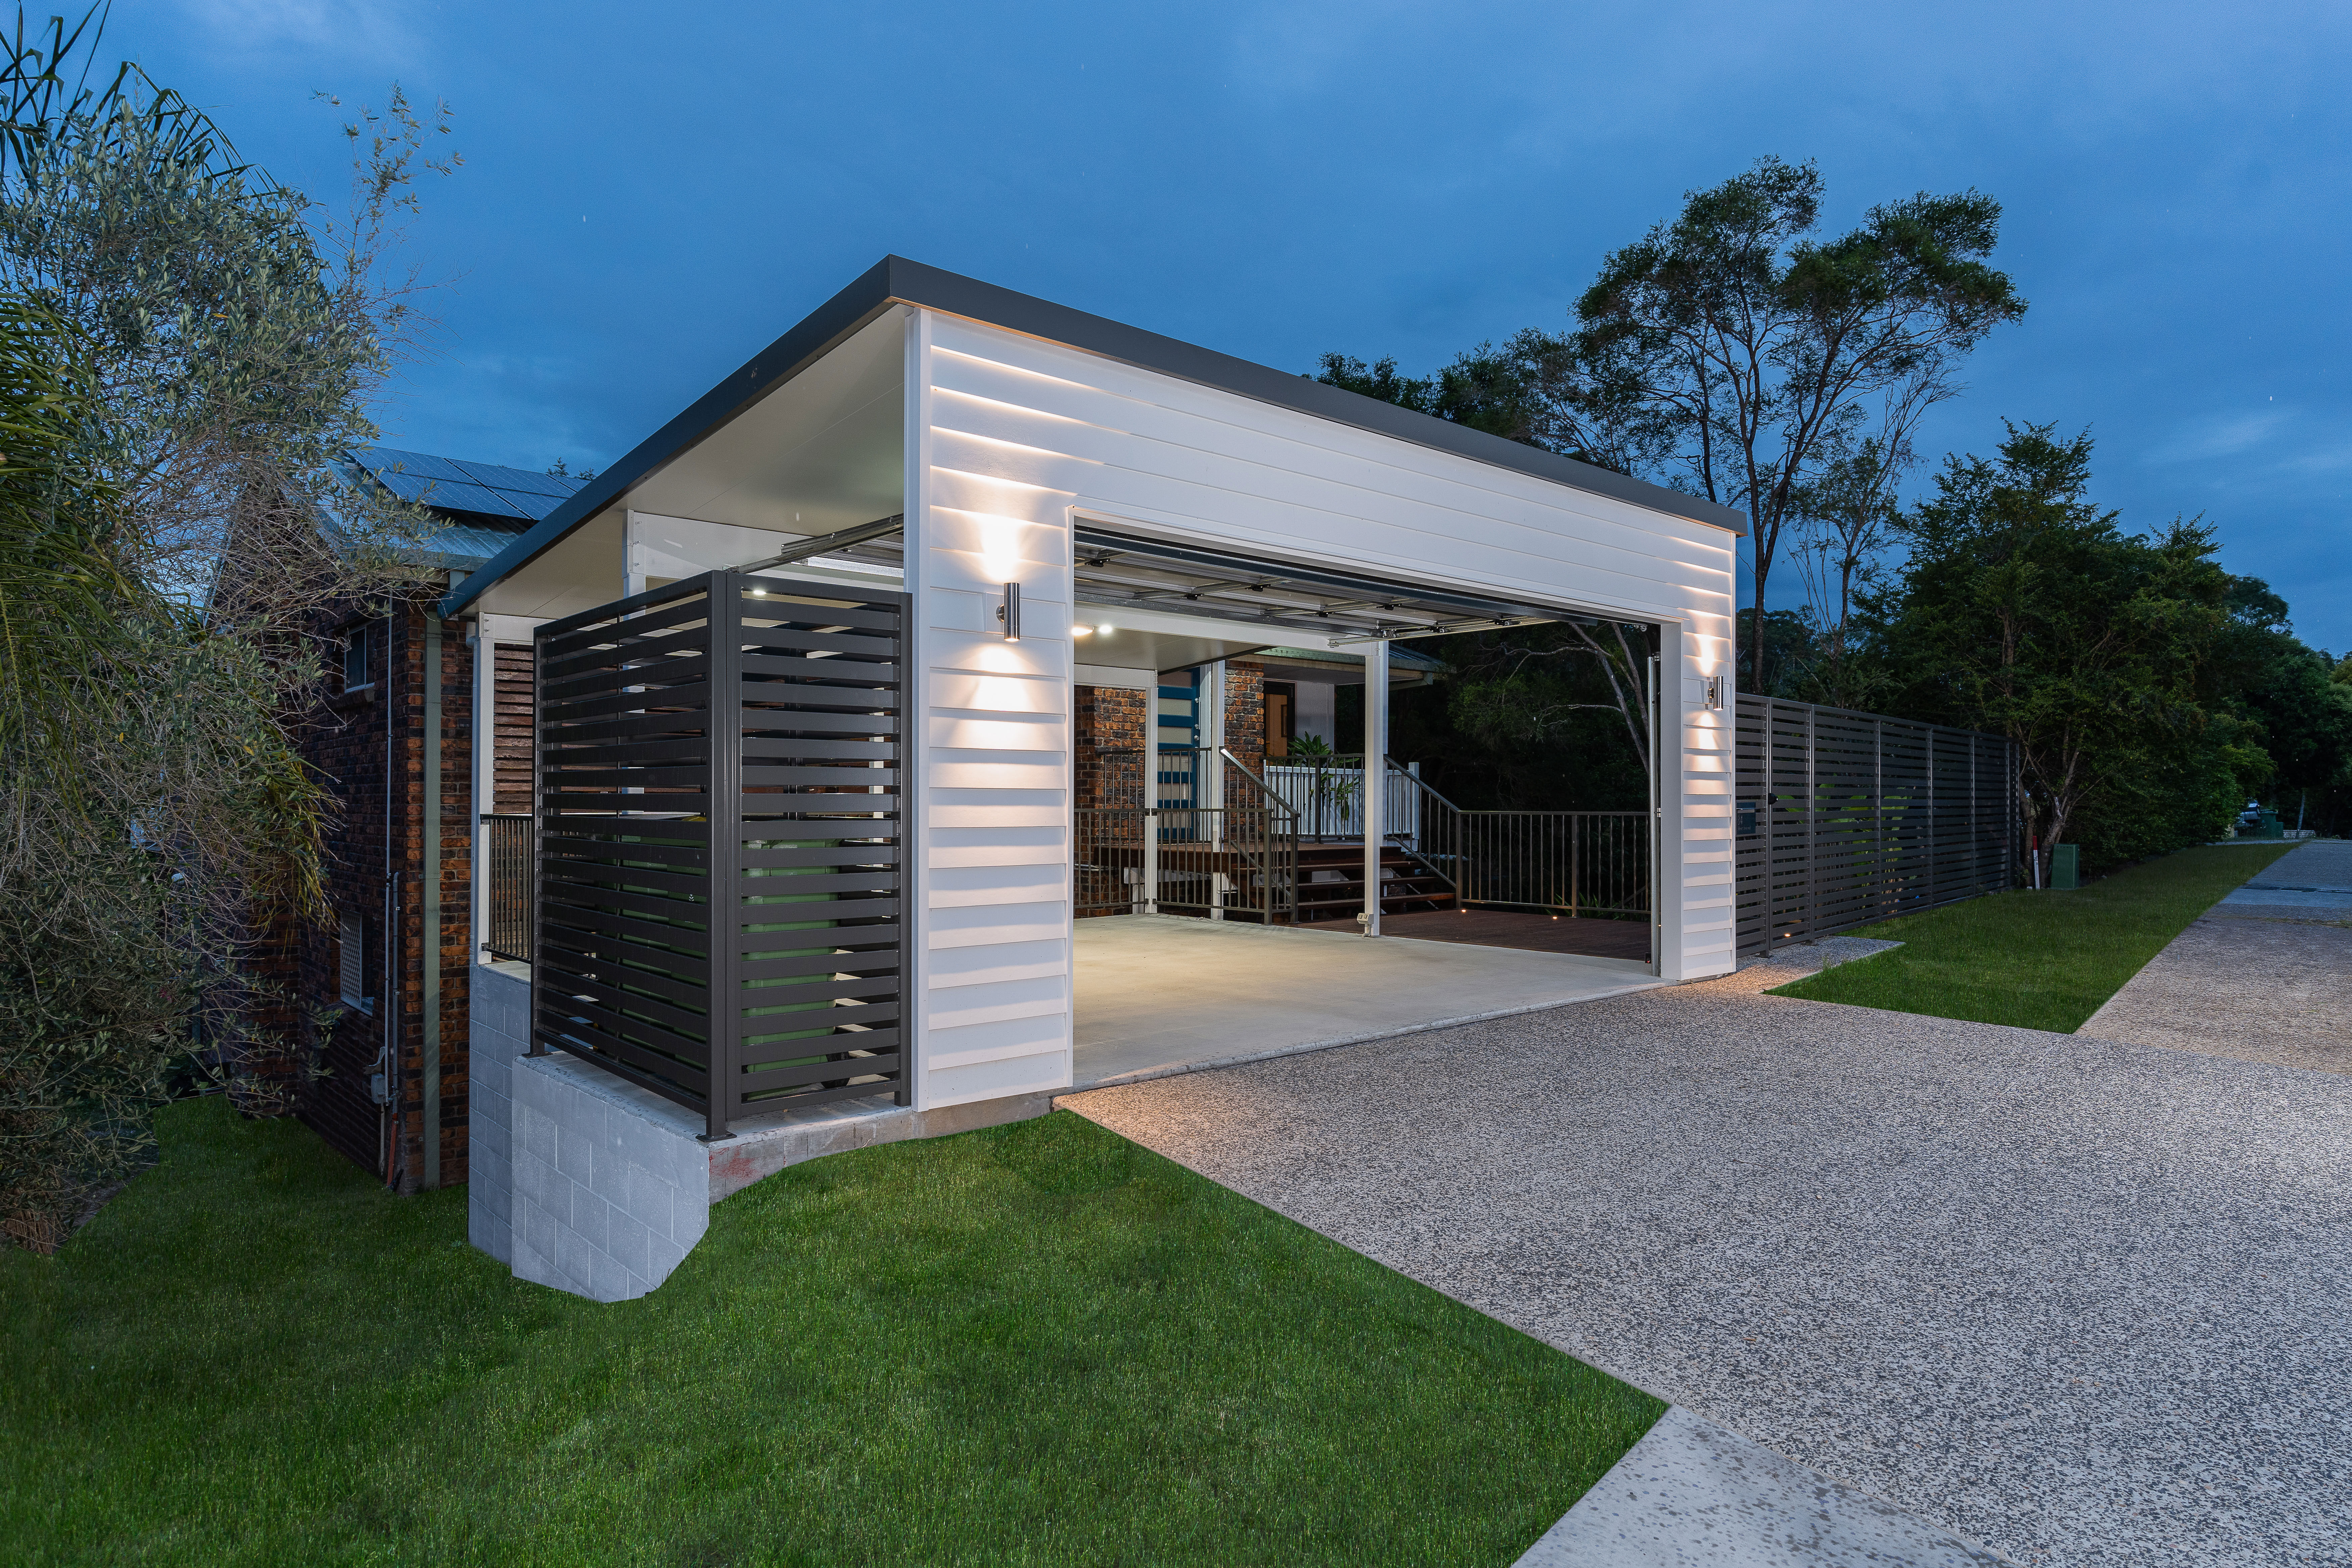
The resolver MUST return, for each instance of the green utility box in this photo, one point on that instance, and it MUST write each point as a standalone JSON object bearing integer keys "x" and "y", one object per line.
{"x": 2065, "y": 867}
{"x": 2269, "y": 826}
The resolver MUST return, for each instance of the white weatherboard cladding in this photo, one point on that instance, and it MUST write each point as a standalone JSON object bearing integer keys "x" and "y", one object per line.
{"x": 990, "y": 724}
{"x": 1013, "y": 437}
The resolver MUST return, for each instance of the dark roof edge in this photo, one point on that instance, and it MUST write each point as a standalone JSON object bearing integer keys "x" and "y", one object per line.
{"x": 895, "y": 280}
{"x": 959, "y": 296}
{"x": 819, "y": 331}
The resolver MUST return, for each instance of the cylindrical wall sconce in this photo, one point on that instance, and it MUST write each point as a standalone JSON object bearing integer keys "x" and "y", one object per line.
{"x": 1008, "y": 614}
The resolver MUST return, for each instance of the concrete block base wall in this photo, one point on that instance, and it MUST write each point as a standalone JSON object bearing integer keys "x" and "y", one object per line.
{"x": 585, "y": 1183}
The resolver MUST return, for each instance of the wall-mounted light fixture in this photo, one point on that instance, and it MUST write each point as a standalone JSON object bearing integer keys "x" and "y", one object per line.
{"x": 1714, "y": 692}
{"x": 1008, "y": 614}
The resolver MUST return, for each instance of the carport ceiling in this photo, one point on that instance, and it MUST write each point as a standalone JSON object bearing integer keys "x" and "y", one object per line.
{"x": 1122, "y": 572}
{"x": 1118, "y": 570}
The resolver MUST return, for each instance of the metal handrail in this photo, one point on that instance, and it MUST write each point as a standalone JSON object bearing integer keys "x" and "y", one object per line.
{"x": 1278, "y": 860}
{"x": 1412, "y": 843}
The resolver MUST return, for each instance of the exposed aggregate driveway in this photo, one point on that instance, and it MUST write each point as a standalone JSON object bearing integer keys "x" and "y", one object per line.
{"x": 2078, "y": 1300}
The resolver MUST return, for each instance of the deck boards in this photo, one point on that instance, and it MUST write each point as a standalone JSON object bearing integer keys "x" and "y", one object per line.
{"x": 1510, "y": 927}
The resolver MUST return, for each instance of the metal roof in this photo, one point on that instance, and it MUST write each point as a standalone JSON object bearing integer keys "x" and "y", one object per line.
{"x": 896, "y": 281}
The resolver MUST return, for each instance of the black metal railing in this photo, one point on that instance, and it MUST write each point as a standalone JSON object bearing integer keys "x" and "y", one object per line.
{"x": 507, "y": 885}
{"x": 1237, "y": 863}
{"x": 1576, "y": 863}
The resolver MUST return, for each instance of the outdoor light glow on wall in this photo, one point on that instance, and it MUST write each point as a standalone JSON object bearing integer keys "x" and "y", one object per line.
{"x": 1008, "y": 614}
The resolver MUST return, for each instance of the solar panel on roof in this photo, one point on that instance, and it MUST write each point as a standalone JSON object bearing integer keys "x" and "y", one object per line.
{"x": 469, "y": 498}
{"x": 448, "y": 484}
{"x": 407, "y": 487}
{"x": 382, "y": 461}
{"x": 536, "y": 506}
{"x": 500, "y": 478}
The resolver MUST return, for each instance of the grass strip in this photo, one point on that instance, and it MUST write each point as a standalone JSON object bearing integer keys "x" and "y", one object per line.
{"x": 1035, "y": 1344}
{"x": 2040, "y": 961}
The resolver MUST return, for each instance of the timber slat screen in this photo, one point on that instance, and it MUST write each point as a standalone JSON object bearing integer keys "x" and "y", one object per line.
{"x": 1843, "y": 818}
{"x": 720, "y": 840}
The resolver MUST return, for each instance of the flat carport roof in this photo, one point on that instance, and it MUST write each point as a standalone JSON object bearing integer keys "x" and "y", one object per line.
{"x": 895, "y": 281}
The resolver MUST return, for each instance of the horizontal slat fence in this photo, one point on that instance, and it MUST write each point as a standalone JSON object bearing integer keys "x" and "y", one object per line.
{"x": 719, "y": 835}
{"x": 1843, "y": 818}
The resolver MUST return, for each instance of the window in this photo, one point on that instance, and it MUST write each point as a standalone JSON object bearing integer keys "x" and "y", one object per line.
{"x": 359, "y": 643}
{"x": 350, "y": 946}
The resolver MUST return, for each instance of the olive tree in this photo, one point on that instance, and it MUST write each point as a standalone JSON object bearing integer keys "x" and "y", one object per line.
{"x": 185, "y": 344}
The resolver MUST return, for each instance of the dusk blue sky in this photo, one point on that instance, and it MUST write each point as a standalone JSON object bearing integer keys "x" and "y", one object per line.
{"x": 651, "y": 193}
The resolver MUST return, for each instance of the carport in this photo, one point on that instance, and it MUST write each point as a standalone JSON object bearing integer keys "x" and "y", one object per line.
{"x": 861, "y": 615}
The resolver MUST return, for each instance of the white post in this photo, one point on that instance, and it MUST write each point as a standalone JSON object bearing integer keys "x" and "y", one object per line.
{"x": 1151, "y": 861}
{"x": 1211, "y": 774}
{"x": 633, "y": 557}
{"x": 1376, "y": 755}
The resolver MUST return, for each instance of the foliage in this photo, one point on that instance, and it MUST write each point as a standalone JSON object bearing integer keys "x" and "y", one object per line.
{"x": 1791, "y": 644}
{"x": 1533, "y": 718}
{"x": 2025, "y": 610}
{"x": 237, "y": 330}
{"x": 1032, "y": 1344}
{"x": 185, "y": 345}
{"x": 2034, "y": 962}
{"x": 2295, "y": 702}
{"x": 1850, "y": 513}
{"x": 1528, "y": 391}
{"x": 137, "y": 791}
{"x": 1759, "y": 359}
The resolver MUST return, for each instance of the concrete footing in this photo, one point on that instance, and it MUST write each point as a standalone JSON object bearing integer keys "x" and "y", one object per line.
{"x": 586, "y": 1182}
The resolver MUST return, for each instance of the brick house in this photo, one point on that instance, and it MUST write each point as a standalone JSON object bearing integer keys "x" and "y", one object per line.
{"x": 392, "y": 739}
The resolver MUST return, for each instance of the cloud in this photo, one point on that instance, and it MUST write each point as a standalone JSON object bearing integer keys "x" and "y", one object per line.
{"x": 2225, "y": 436}
{"x": 369, "y": 31}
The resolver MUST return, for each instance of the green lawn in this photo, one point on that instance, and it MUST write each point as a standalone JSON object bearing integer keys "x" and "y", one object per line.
{"x": 2041, "y": 961}
{"x": 1037, "y": 1344}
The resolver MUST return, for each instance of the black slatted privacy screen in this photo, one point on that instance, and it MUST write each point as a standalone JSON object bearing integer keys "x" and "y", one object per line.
{"x": 1842, "y": 818}
{"x": 719, "y": 835}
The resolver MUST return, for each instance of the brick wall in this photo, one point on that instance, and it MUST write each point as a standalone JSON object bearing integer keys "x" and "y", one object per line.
{"x": 1110, "y": 718}
{"x": 1246, "y": 714}
{"x": 369, "y": 746}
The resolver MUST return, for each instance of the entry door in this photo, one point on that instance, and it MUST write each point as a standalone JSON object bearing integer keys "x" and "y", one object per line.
{"x": 1178, "y": 737}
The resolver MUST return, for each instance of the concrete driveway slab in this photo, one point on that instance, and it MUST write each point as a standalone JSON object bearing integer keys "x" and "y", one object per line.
{"x": 1692, "y": 1494}
{"x": 1160, "y": 993}
{"x": 2079, "y": 1301}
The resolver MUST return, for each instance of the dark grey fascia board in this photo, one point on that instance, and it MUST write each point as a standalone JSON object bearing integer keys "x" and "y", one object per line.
{"x": 897, "y": 280}
{"x": 831, "y": 323}
{"x": 959, "y": 296}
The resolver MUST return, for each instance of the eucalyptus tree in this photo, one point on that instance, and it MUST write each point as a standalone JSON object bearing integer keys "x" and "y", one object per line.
{"x": 1740, "y": 357}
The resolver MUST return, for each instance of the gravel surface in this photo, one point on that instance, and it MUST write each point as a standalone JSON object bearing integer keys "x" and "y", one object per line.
{"x": 2082, "y": 1301}
{"x": 2266, "y": 975}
